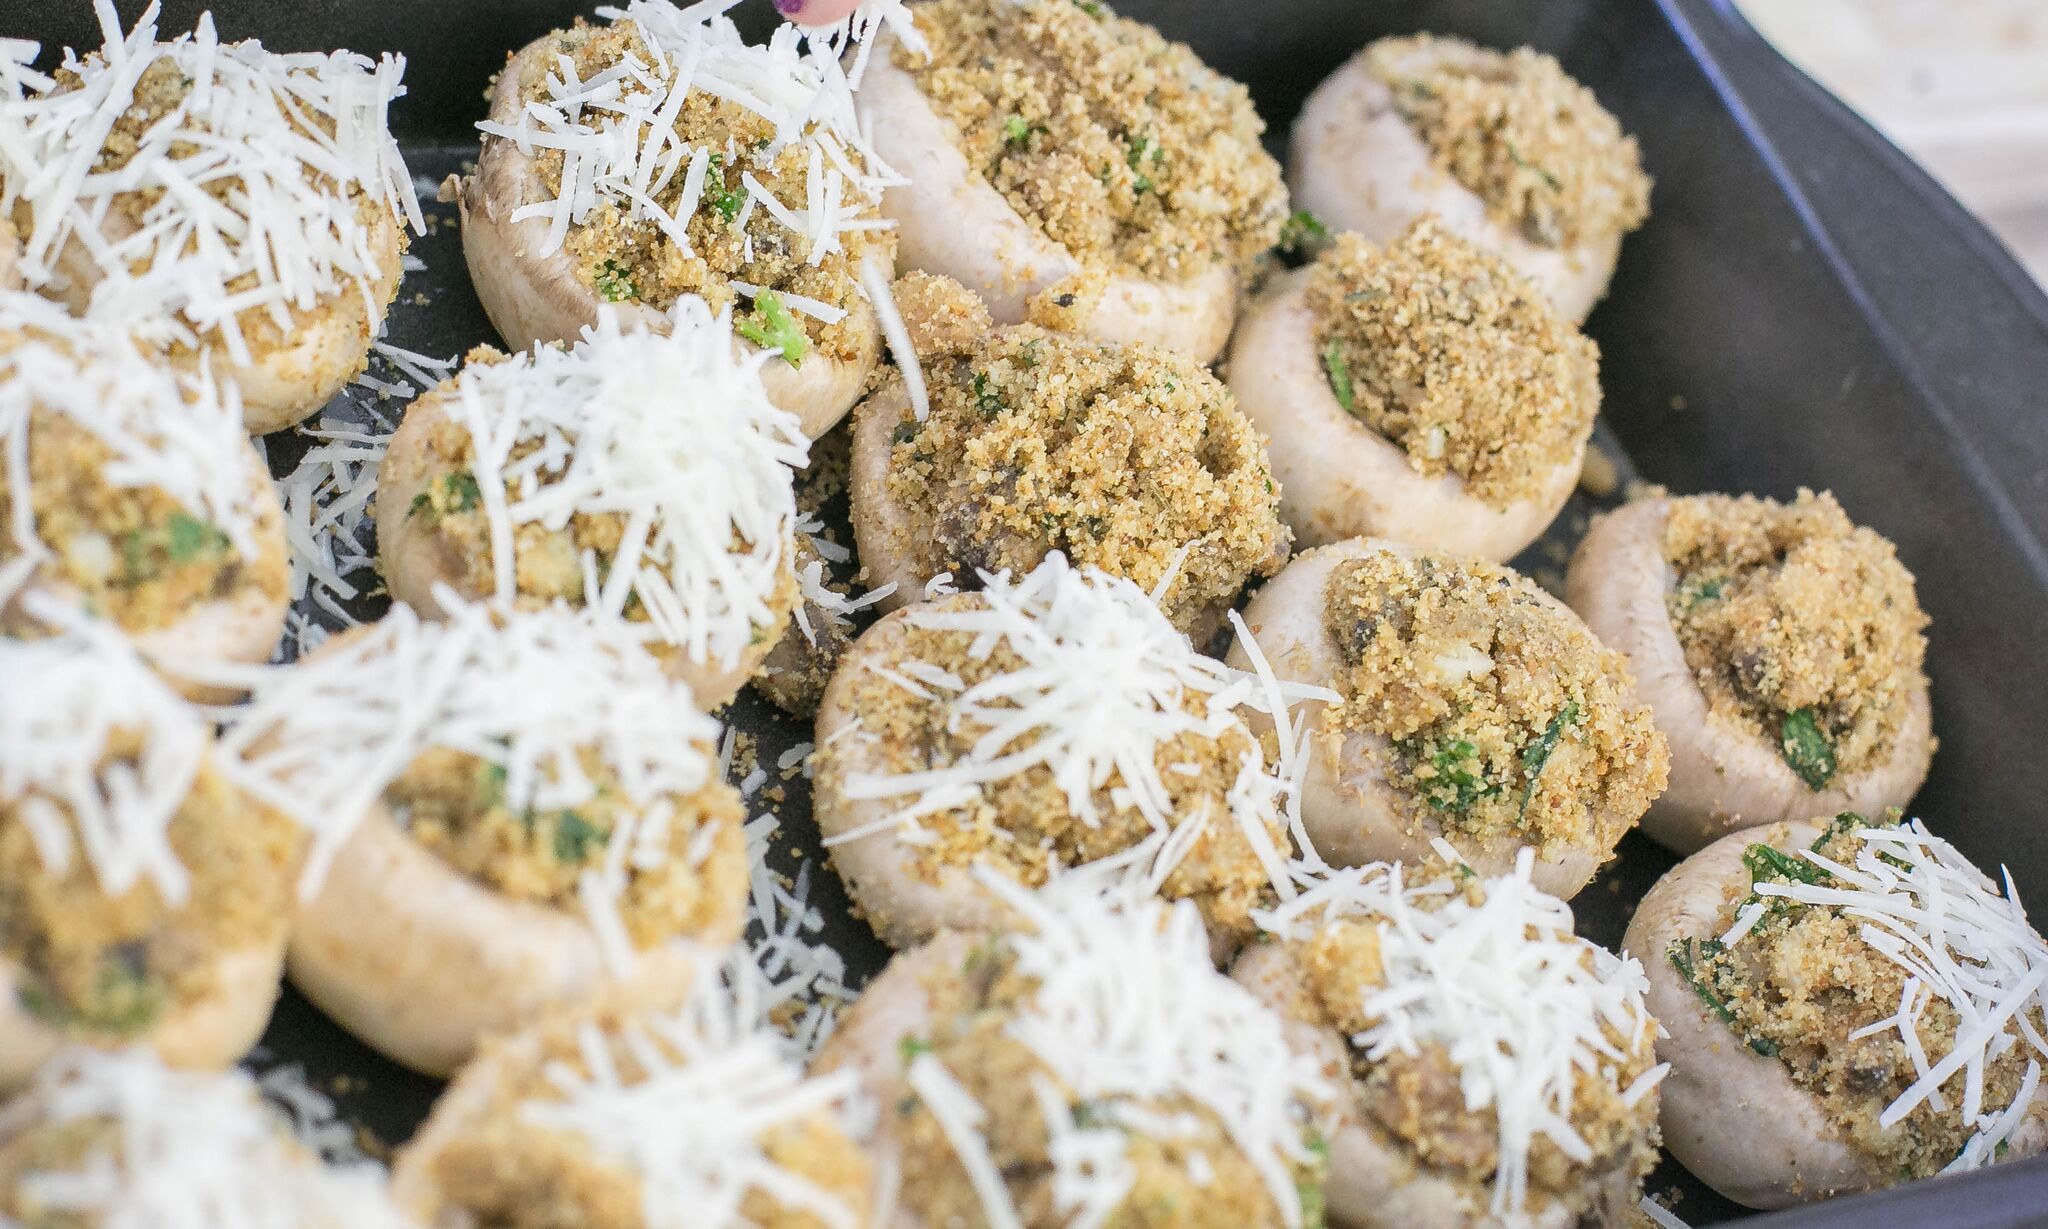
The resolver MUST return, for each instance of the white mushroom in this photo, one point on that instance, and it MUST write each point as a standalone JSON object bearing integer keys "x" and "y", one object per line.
{"x": 277, "y": 278}
{"x": 1732, "y": 1115}
{"x": 1378, "y": 1180}
{"x": 530, "y": 284}
{"x": 951, "y": 220}
{"x": 1098, "y": 695}
{"x": 672, "y": 435}
{"x": 1358, "y": 164}
{"x": 1341, "y": 478}
{"x": 122, "y": 826}
{"x": 421, "y": 946}
{"x": 1353, "y": 814}
{"x": 1723, "y": 776}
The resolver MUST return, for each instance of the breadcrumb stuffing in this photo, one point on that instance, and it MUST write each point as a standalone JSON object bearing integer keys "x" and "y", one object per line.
{"x": 691, "y": 879}
{"x": 624, "y": 260}
{"x": 1128, "y": 458}
{"x": 110, "y": 967}
{"x": 1521, "y": 134}
{"x": 1504, "y": 719}
{"x": 1799, "y": 626}
{"x": 1417, "y": 1100}
{"x": 1803, "y": 982}
{"x": 1024, "y": 824}
{"x": 1122, "y": 147}
{"x": 1453, "y": 357}
{"x": 507, "y": 1171}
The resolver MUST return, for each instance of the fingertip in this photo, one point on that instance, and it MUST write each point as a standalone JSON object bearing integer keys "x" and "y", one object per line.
{"x": 816, "y": 12}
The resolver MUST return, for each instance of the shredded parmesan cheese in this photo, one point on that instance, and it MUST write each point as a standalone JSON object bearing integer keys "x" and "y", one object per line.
{"x": 186, "y": 1150}
{"x": 671, "y": 431}
{"x": 1519, "y": 1003}
{"x": 246, "y": 189}
{"x": 1929, "y": 910}
{"x": 63, "y": 700}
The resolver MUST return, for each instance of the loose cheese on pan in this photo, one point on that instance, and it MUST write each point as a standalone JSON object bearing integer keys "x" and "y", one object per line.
{"x": 187, "y": 1150}
{"x": 63, "y": 700}
{"x": 671, "y": 431}
{"x": 712, "y": 1078}
{"x": 178, "y": 433}
{"x": 1129, "y": 1011}
{"x": 1519, "y": 1003}
{"x": 1105, "y": 682}
{"x": 1928, "y": 909}
{"x": 617, "y": 133}
{"x": 322, "y": 739}
{"x": 245, "y": 193}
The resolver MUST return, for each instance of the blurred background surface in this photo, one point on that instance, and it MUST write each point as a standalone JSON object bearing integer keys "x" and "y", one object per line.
{"x": 1962, "y": 85}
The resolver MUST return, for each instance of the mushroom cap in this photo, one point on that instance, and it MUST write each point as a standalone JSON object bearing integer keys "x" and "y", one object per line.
{"x": 1352, "y": 814}
{"x": 1723, "y": 777}
{"x": 314, "y": 359}
{"x": 1357, "y": 165}
{"x": 414, "y": 559}
{"x": 951, "y": 220}
{"x": 421, "y": 961}
{"x": 886, "y": 533}
{"x": 1341, "y": 479}
{"x": 208, "y": 1034}
{"x": 244, "y": 626}
{"x": 1374, "y": 1182}
{"x": 533, "y": 298}
{"x": 904, "y": 907}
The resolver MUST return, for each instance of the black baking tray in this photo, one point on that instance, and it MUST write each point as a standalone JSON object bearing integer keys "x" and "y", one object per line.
{"x": 1805, "y": 308}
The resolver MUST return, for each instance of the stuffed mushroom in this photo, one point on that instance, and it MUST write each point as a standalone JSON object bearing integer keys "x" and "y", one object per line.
{"x": 241, "y": 211}
{"x": 634, "y": 1109}
{"x": 1505, "y": 149}
{"x": 1054, "y": 148}
{"x": 701, "y": 166}
{"x": 1470, "y": 706}
{"x": 1848, "y": 1004}
{"x": 144, "y": 895}
{"x": 1495, "y": 1069}
{"x": 638, "y": 474}
{"x": 1055, "y": 721}
{"x": 509, "y": 812}
{"x": 130, "y": 491}
{"x": 1127, "y": 458}
{"x": 1085, "y": 1061}
{"x": 1421, "y": 392}
{"x": 106, "y": 1140}
{"x": 1781, "y": 648}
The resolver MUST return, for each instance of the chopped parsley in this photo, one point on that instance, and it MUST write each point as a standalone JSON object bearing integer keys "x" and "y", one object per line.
{"x": 1806, "y": 749}
{"x": 182, "y": 539}
{"x": 1093, "y": 9}
{"x": 986, "y": 399}
{"x": 1766, "y": 862}
{"x": 448, "y": 495}
{"x": 725, "y": 202}
{"x": 1144, "y": 151}
{"x": 615, "y": 282}
{"x": 1537, "y": 753}
{"x": 576, "y": 838}
{"x": 772, "y": 327}
{"x": 1688, "y": 956}
{"x": 1303, "y": 233}
{"x": 906, "y": 431}
{"x": 1695, "y": 593}
{"x": 911, "y": 1047}
{"x": 1016, "y": 131}
{"x": 125, "y": 998}
{"x": 1340, "y": 377}
{"x": 1458, "y": 777}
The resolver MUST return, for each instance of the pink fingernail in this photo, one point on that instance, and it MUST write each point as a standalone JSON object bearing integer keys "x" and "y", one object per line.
{"x": 789, "y": 8}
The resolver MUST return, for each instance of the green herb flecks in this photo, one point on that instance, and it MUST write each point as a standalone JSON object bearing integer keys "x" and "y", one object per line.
{"x": 182, "y": 539}
{"x": 1092, "y": 8}
{"x": 1767, "y": 863}
{"x": 1806, "y": 749}
{"x": 1841, "y": 825}
{"x": 1457, "y": 779}
{"x": 772, "y": 327}
{"x": 448, "y": 495}
{"x": 125, "y": 998}
{"x": 576, "y": 838}
{"x": 1688, "y": 957}
{"x": 1537, "y": 753}
{"x": 1144, "y": 152}
{"x": 906, "y": 431}
{"x": 909, "y": 1048}
{"x": 724, "y": 202}
{"x": 1340, "y": 377}
{"x": 1695, "y": 593}
{"x": 615, "y": 282}
{"x": 1017, "y": 131}
{"x": 1303, "y": 234}
{"x": 986, "y": 399}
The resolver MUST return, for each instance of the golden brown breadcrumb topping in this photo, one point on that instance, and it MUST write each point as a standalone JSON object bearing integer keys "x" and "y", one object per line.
{"x": 1503, "y": 718}
{"x": 1799, "y": 626}
{"x": 1454, "y": 358}
{"x": 1521, "y": 134}
{"x": 1122, "y": 147}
